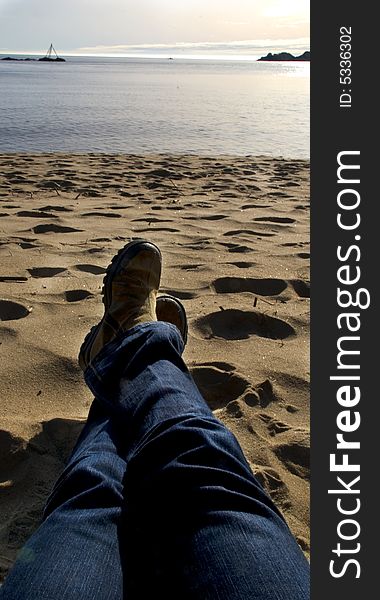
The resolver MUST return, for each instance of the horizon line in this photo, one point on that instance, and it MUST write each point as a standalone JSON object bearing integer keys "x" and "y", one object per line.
{"x": 212, "y": 57}
{"x": 259, "y": 52}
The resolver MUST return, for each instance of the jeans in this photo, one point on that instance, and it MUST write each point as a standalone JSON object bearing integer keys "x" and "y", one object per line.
{"x": 157, "y": 499}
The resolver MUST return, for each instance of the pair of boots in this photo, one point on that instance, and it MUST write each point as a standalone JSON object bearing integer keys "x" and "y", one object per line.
{"x": 129, "y": 292}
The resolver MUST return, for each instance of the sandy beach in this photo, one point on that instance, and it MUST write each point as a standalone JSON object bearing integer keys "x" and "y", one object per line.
{"x": 234, "y": 234}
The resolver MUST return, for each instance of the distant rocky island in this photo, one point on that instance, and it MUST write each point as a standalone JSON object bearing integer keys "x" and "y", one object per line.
{"x": 44, "y": 59}
{"x": 284, "y": 56}
{"x": 18, "y": 59}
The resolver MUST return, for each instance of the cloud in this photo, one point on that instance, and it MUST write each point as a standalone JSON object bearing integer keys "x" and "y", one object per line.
{"x": 199, "y": 46}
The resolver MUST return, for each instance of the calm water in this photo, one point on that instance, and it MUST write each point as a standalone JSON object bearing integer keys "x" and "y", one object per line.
{"x": 138, "y": 106}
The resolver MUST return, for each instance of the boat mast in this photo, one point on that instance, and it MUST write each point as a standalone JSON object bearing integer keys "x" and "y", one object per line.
{"x": 50, "y": 51}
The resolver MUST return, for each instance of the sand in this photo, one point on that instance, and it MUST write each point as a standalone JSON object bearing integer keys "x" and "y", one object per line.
{"x": 234, "y": 233}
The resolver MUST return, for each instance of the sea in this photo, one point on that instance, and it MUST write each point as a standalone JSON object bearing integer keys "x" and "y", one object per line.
{"x": 140, "y": 105}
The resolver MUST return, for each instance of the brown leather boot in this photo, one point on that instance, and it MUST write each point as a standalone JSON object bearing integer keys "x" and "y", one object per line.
{"x": 171, "y": 310}
{"x": 129, "y": 296}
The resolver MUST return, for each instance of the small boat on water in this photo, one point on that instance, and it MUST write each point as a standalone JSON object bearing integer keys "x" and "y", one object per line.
{"x": 49, "y": 56}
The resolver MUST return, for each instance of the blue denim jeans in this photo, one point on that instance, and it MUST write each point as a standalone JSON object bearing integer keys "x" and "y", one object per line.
{"x": 157, "y": 499}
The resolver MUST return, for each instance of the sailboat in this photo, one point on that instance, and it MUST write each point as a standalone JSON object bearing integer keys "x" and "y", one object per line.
{"x": 49, "y": 58}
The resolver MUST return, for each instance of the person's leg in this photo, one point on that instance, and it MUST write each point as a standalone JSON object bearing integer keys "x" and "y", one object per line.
{"x": 74, "y": 554}
{"x": 200, "y": 525}
{"x": 78, "y": 552}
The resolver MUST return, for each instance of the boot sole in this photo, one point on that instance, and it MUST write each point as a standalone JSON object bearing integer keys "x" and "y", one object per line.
{"x": 184, "y": 329}
{"x": 132, "y": 249}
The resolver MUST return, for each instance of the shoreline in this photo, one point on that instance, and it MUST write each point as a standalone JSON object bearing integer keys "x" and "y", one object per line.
{"x": 158, "y": 155}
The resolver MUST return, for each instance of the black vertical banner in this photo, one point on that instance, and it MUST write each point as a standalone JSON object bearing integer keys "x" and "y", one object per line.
{"x": 345, "y": 321}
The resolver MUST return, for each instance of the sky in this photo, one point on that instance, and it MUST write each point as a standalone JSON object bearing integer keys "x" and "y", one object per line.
{"x": 154, "y": 27}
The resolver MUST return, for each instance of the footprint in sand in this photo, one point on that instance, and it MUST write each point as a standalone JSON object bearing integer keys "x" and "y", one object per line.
{"x": 199, "y": 204}
{"x": 284, "y": 220}
{"x": 119, "y": 207}
{"x": 240, "y": 232}
{"x": 38, "y": 214}
{"x": 217, "y": 385}
{"x": 200, "y": 245}
{"x": 262, "y": 396}
{"x": 16, "y": 178}
{"x": 290, "y": 184}
{"x": 77, "y": 295}
{"x": 236, "y": 248}
{"x": 12, "y": 311}
{"x": 295, "y": 453}
{"x": 247, "y": 232}
{"x": 167, "y": 229}
{"x": 207, "y": 218}
{"x": 93, "y": 269}
{"x": 40, "y": 272}
{"x": 274, "y": 425}
{"x": 254, "y": 188}
{"x": 53, "y": 228}
{"x": 56, "y": 208}
{"x": 94, "y": 250}
{"x": 228, "y": 194}
{"x": 293, "y": 244}
{"x": 176, "y": 208}
{"x": 247, "y": 206}
{"x": 273, "y": 483}
{"x": 9, "y": 278}
{"x": 301, "y": 287}
{"x": 236, "y": 285}
{"x": 233, "y": 324}
{"x": 27, "y": 245}
{"x": 101, "y": 214}
{"x": 242, "y": 264}
{"x": 151, "y": 220}
{"x": 191, "y": 267}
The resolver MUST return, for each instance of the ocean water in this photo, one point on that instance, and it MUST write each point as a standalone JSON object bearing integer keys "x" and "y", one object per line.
{"x": 121, "y": 105}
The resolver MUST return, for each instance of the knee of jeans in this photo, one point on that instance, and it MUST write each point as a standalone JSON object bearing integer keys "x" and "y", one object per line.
{"x": 162, "y": 332}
